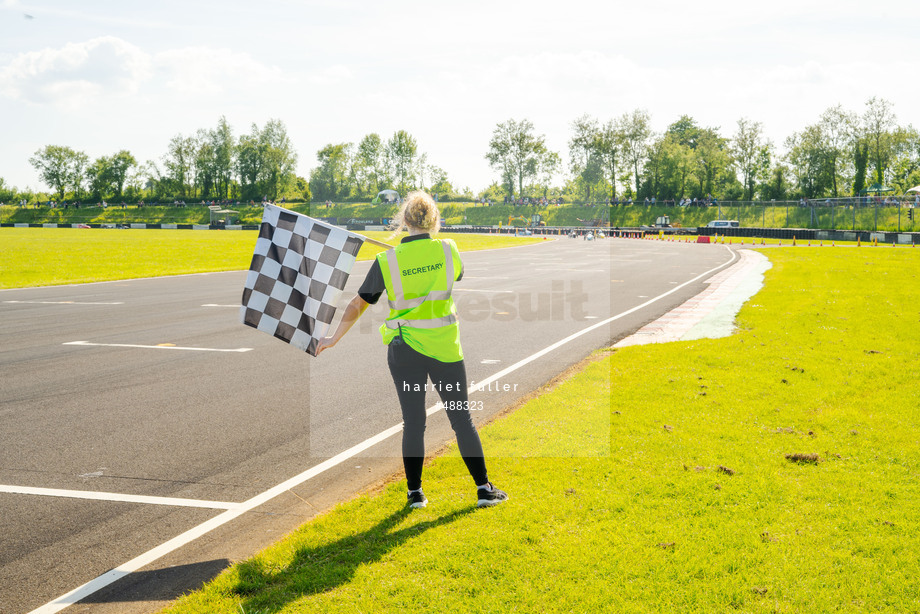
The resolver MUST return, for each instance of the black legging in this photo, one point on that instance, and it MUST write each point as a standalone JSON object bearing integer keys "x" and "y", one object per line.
{"x": 410, "y": 371}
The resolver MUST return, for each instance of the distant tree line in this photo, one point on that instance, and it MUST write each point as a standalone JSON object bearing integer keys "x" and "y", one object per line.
{"x": 212, "y": 164}
{"x": 843, "y": 153}
{"x": 348, "y": 171}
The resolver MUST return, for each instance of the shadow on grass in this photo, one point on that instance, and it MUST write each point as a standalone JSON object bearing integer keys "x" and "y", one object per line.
{"x": 317, "y": 570}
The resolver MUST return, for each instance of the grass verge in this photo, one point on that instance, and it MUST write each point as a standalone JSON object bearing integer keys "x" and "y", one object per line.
{"x": 52, "y": 256}
{"x": 772, "y": 471}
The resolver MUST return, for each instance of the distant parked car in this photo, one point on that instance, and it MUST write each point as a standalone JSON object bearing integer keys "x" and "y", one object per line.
{"x": 723, "y": 224}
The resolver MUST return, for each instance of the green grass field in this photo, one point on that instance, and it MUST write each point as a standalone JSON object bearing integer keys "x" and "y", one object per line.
{"x": 775, "y": 470}
{"x": 52, "y": 256}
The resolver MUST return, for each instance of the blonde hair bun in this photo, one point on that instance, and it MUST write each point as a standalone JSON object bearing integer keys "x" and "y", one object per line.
{"x": 418, "y": 211}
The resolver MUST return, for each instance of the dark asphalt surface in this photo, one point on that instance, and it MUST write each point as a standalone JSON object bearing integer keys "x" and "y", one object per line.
{"x": 226, "y": 426}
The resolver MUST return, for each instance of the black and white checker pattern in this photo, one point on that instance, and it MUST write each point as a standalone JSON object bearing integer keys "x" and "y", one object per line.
{"x": 297, "y": 275}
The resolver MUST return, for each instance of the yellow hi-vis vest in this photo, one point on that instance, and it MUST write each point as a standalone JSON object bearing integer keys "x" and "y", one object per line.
{"x": 419, "y": 276}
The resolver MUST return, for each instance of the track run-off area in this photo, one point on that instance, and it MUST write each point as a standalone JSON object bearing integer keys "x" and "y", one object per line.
{"x": 150, "y": 439}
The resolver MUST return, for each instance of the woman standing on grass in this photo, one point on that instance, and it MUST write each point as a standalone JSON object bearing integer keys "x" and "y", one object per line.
{"x": 423, "y": 340}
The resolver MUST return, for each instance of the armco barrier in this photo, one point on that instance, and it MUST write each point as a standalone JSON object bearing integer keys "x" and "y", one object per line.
{"x": 809, "y": 234}
{"x": 800, "y": 234}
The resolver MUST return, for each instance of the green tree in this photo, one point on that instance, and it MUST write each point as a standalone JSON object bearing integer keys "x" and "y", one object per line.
{"x": 329, "y": 180}
{"x": 608, "y": 145}
{"x": 370, "y": 165}
{"x": 837, "y": 130}
{"x": 878, "y": 122}
{"x": 99, "y": 178}
{"x": 265, "y": 161}
{"x": 751, "y": 154}
{"x": 778, "y": 186}
{"x": 107, "y": 175}
{"x": 8, "y": 193}
{"x": 515, "y": 151}
{"x": 655, "y": 168}
{"x": 712, "y": 162}
{"x": 59, "y": 167}
{"x": 78, "y": 174}
{"x": 180, "y": 165}
{"x": 120, "y": 166}
{"x": 583, "y": 160}
{"x": 669, "y": 168}
{"x": 222, "y": 144}
{"x": 301, "y": 189}
{"x": 249, "y": 164}
{"x": 810, "y": 157}
{"x": 401, "y": 153}
{"x": 691, "y": 161}
{"x": 635, "y": 131}
{"x": 279, "y": 158}
{"x": 205, "y": 164}
{"x": 440, "y": 184}
{"x": 861, "y": 164}
{"x": 549, "y": 167}
{"x": 906, "y": 158}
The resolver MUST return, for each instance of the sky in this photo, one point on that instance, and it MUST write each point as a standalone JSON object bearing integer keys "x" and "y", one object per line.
{"x": 100, "y": 76}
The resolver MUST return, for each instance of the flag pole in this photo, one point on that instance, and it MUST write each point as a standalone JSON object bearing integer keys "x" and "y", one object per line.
{"x": 377, "y": 243}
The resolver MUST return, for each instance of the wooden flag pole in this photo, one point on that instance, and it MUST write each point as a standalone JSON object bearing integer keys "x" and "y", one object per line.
{"x": 377, "y": 243}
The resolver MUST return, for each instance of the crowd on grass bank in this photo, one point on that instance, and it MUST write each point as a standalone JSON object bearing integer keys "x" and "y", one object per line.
{"x": 102, "y": 204}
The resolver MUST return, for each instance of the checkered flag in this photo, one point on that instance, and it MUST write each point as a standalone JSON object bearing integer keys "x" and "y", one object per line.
{"x": 297, "y": 275}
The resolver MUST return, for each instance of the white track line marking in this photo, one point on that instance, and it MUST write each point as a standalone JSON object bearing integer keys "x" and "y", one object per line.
{"x": 578, "y": 270}
{"x": 61, "y": 303}
{"x": 206, "y": 527}
{"x": 177, "y": 542}
{"x": 116, "y": 497}
{"x": 155, "y": 347}
{"x": 548, "y": 349}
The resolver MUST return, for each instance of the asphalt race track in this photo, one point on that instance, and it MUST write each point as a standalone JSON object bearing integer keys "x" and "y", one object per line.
{"x": 150, "y": 396}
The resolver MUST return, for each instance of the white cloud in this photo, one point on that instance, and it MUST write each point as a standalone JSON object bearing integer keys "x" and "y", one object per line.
{"x": 81, "y": 75}
{"x": 332, "y": 75}
{"x": 76, "y": 73}
{"x": 197, "y": 71}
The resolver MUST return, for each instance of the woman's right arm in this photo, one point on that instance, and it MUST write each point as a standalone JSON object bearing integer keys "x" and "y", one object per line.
{"x": 353, "y": 311}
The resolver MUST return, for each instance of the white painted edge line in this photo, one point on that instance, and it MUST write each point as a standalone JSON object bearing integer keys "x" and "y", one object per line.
{"x": 62, "y": 303}
{"x": 579, "y": 270}
{"x": 155, "y": 347}
{"x": 206, "y": 527}
{"x": 115, "y": 497}
{"x": 180, "y": 540}
{"x": 484, "y": 383}
{"x": 114, "y": 281}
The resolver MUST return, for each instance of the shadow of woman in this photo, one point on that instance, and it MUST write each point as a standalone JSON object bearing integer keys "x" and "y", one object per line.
{"x": 319, "y": 569}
